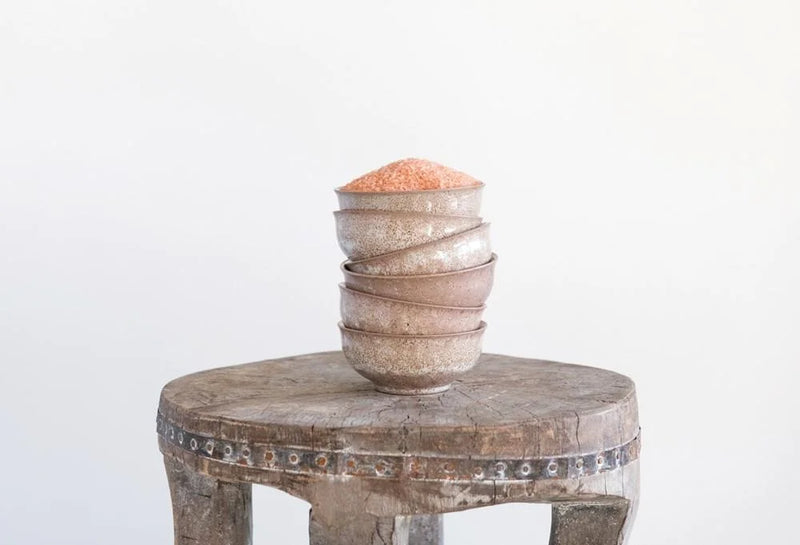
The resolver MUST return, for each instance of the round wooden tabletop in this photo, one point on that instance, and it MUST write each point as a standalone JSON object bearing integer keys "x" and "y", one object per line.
{"x": 374, "y": 465}
{"x": 314, "y": 413}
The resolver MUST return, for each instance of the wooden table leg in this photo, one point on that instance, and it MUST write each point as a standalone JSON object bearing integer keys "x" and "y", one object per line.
{"x": 330, "y": 527}
{"x": 206, "y": 511}
{"x": 601, "y": 522}
{"x": 426, "y": 530}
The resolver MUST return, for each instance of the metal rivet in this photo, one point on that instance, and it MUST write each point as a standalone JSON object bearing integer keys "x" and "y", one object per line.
{"x": 604, "y": 460}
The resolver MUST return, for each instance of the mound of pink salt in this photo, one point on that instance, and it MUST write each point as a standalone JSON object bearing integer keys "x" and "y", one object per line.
{"x": 411, "y": 175}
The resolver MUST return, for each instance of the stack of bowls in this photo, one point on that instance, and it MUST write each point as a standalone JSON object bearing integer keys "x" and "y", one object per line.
{"x": 419, "y": 270}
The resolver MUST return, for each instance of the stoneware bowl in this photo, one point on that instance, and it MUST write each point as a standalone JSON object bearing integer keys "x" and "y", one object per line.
{"x": 460, "y": 201}
{"x": 376, "y": 314}
{"x": 462, "y": 251}
{"x": 411, "y": 364}
{"x": 368, "y": 233}
{"x": 464, "y": 288}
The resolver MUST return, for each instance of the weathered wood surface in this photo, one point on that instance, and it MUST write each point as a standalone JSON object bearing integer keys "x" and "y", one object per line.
{"x": 589, "y": 523}
{"x": 208, "y": 511}
{"x": 426, "y": 530}
{"x": 378, "y": 468}
{"x": 368, "y": 529}
{"x": 505, "y": 407}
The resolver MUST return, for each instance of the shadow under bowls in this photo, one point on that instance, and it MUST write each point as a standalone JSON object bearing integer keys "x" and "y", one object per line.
{"x": 465, "y": 288}
{"x": 376, "y": 314}
{"x": 411, "y": 364}
{"x": 458, "y": 201}
{"x": 461, "y": 251}
{"x": 367, "y": 233}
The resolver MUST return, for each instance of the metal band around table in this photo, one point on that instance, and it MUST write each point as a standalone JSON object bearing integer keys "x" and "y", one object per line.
{"x": 316, "y": 462}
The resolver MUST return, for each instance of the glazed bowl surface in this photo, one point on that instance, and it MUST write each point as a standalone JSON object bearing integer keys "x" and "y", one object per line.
{"x": 368, "y": 233}
{"x": 465, "y": 288}
{"x": 376, "y": 314}
{"x": 456, "y": 252}
{"x": 459, "y": 201}
{"x": 411, "y": 364}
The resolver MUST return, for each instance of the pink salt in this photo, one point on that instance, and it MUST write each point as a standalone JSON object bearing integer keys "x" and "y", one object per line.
{"x": 411, "y": 175}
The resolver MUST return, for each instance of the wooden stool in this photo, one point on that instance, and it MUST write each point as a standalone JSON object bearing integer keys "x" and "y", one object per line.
{"x": 379, "y": 468}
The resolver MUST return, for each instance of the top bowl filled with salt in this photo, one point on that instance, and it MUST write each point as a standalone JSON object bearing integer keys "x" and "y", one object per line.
{"x": 414, "y": 185}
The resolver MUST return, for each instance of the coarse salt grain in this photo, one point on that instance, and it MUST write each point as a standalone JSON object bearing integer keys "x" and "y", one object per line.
{"x": 411, "y": 175}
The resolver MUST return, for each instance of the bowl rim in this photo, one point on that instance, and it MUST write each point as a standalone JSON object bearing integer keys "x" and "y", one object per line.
{"x": 480, "y": 330}
{"x": 476, "y": 187}
{"x": 375, "y": 212}
{"x": 348, "y": 272}
{"x": 484, "y": 226}
{"x": 343, "y": 287}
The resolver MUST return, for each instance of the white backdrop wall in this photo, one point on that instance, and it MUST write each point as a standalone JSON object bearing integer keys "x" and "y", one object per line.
{"x": 166, "y": 176}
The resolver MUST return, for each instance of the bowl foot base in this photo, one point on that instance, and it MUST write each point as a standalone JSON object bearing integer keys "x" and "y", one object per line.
{"x": 411, "y": 391}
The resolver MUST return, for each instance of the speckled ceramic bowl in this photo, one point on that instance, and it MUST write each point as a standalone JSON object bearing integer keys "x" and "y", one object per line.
{"x": 368, "y": 233}
{"x": 461, "y": 201}
{"x": 464, "y": 288}
{"x": 412, "y": 364}
{"x": 462, "y": 251}
{"x": 375, "y": 314}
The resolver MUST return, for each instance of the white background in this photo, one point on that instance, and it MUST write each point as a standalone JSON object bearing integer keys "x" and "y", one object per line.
{"x": 166, "y": 176}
